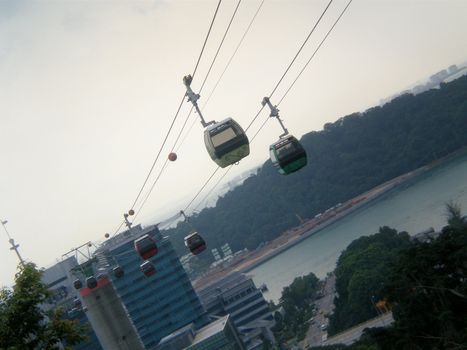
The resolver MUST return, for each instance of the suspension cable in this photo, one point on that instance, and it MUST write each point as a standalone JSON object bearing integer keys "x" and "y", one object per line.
{"x": 206, "y": 39}
{"x": 223, "y": 72}
{"x": 175, "y": 117}
{"x": 292, "y": 62}
{"x": 191, "y": 110}
{"x": 307, "y": 63}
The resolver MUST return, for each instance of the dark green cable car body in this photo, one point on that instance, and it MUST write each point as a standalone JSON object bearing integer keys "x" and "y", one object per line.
{"x": 226, "y": 142}
{"x": 288, "y": 155}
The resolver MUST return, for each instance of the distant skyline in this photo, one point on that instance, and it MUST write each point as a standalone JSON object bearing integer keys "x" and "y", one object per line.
{"x": 88, "y": 90}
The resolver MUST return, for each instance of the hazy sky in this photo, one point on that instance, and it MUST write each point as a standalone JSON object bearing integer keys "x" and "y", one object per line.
{"x": 89, "y": 88}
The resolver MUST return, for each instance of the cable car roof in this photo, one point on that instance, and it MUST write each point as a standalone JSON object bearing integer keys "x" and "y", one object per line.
{"x": 218, "y": 124}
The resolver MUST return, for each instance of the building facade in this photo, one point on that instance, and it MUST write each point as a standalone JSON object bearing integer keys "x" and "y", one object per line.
{"x": 218, "y": 335}
{"x": 236, "y": 295}
{"x": 157, "y": 305}
{"x": 59, "y": 281}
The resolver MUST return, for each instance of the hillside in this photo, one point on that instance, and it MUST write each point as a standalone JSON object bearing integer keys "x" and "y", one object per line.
{"x": 346, "y": 158}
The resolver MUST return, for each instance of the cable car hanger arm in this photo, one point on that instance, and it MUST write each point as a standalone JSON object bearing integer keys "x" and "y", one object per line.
{"x": 193, "y": 98}
{"x": 275, "y": 114}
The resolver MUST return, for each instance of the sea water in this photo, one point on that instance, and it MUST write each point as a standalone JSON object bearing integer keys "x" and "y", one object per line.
{"x": 412, "y": 207}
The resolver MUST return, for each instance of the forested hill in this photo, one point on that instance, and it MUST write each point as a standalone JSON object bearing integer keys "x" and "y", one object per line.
{"x": 346, "y": 158}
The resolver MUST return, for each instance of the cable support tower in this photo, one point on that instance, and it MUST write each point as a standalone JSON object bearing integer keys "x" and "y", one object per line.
{"x": 14, "y": 246}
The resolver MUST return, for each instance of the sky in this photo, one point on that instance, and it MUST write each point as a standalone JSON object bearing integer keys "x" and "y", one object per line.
{"x": 88, "y": 90}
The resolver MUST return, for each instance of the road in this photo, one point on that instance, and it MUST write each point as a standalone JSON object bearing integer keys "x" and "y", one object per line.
{"x": 353, "y": 334}
{"x": 324, "y": 306}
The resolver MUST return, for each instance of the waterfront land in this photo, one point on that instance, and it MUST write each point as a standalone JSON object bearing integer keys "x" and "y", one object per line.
{"x": 248, "y": 260}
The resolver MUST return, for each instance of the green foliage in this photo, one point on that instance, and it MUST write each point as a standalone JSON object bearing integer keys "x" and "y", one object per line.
{"x": 427, "y": 286}
{"x": 361, "y": 273}
{"x": 24, "y": 325}
{"x": 297, "y": 301}
{"x": 346, "y": 158}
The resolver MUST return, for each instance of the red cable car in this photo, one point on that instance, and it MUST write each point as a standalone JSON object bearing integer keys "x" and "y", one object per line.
{"x": 147, "y": 268}
{"x": 146, "y": 247}
{"x": 195, "y": 243}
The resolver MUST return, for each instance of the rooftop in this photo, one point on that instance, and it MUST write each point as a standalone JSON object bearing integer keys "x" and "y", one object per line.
{"x": 210, "y": 330}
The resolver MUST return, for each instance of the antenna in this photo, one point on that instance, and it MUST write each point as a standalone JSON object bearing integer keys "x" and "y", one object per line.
{"x": 12, "y": 242}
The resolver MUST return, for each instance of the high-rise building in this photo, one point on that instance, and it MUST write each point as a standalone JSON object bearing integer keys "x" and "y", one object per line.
{"x": 159, "y": 304}
{"x": 237, "y": 295}
{"x": 59, "y": 281}
{"x": 220, "y": 334}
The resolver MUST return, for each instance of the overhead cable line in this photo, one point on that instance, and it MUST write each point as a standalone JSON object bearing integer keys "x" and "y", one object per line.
{"x": 223, "y": 72}
{"x": 213, "y": 187}
{"x": 314, "y": 53}
{"x": 175, "y": 117}
{"x": 292, "y": 62}
{"x": 206, "y": 39}
{"x": 306, "y": 64}
{"x": 290, "y": 87}
{"x": 275, "y": 87}
{"x": 191, "y": 110}
{"x": 202, "y": 188}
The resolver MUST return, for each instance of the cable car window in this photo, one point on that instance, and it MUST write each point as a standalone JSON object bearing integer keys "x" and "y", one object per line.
{"x": 223, "y": 136}
{"x": 286, "y": 149}
{"x": 272, "y": 155}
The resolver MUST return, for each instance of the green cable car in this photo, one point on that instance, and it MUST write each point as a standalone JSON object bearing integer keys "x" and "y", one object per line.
{"x": 288, "y": 155}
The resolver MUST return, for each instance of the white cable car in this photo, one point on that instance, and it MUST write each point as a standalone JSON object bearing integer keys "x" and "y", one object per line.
{"x": 225, "y": 141}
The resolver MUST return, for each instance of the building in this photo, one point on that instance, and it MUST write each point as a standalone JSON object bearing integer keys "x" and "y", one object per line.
{"x": 157, "y": 305}
{"x": 237, "y": 295}
{"x": 217, "y": 335}
{"x": 108, "y": 316}
{"x": 59, "y": 281}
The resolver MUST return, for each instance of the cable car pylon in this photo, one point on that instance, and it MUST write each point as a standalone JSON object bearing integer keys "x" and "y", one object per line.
{"x": 287, "y": 154}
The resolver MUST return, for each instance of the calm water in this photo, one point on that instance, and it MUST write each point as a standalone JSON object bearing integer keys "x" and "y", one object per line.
{"x": 413, "y": 208}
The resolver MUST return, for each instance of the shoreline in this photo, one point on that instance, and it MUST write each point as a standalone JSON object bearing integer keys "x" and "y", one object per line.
{"x": 309, "y": 227}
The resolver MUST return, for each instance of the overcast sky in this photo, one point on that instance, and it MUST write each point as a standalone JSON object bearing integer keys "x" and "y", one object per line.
{"x": 88, "y": 90}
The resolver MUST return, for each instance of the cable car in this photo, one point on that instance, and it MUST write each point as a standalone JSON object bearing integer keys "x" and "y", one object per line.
{"x": 226, "y": 142}
{"x": 147, "y": 268}
{"x": 118, "y": 271}
{"x": 91, "y": 282}
{"x": 288, "y": 155}
{"x": 77, "y": 284}
{"x": 77, "y": 303}
{"x": 146, "y": 247}
{"x": 195, "y": 243}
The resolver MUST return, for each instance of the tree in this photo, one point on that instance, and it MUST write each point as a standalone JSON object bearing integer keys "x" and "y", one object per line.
{"x": 361, "y": 273}
{"x": 24, "y": 324}
{"x": 297, "y": 301}
{"x": 428, "y": 289}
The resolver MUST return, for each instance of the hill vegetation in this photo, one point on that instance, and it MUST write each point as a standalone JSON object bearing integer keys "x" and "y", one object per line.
{"x": 346, "y": 158}
{"x": 424, "y": 284}
{"x": 362, "y": 271}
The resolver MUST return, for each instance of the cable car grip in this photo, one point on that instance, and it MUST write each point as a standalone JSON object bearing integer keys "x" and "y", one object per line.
{"x": 193, "y": 98}
{"x": 275, "y": 114}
